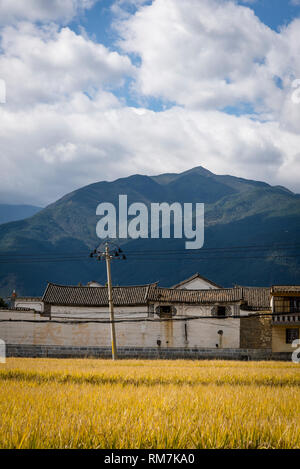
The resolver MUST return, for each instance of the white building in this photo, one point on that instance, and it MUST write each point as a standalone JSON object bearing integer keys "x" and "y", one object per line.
{"x": 146, "y": 316}
{"x": 196, "y": 282}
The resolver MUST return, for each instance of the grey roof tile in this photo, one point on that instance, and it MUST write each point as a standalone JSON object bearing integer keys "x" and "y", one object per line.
{"x": 94, "y": 296}
{"x": 254, "y": 298}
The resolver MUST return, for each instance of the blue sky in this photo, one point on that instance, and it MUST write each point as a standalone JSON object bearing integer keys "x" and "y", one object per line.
{"x": 102, "y": 89}
{"x": 98, "y": 23}
{"x": 274, "y": 13}
{"x": 97, "y": 20}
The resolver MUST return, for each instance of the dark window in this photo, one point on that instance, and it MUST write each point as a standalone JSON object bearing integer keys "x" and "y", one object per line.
{"x": 150, "y": 311}
{"x": 295, "y": 305}
{"x": 221, "y": 311}
{"x": 165, "y": 311}
{"x": 291, "y": 335}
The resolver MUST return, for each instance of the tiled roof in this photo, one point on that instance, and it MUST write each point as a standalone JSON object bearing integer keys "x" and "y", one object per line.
{"x": 256, "y": 297}
{"x": 285, "y": 289}
{"x": 252, "y": 298}
{"x": 224, "y": 295}
{"x": 94, "y": 296}
{"x": 193, "y": 278}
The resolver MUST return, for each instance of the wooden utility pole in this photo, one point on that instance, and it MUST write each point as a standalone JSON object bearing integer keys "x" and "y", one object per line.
{"x": 100, "y": 254}
{"x": 111, "y": 304}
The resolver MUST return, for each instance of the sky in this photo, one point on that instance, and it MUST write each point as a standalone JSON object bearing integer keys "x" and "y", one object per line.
{"x": 102, "y": 89}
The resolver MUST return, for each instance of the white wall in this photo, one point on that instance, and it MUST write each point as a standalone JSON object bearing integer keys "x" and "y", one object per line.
{"x": 197, "y": 284}
{"x": 97, "y": 311}
{"x": 31, "y": 303}
{"x": 200, "y": 333}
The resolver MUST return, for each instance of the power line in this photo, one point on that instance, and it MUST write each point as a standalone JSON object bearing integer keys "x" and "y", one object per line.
{"x": 110, "y": 251}
{"x": 151, "y": 320}
{"x": 158, "y": 251}
{"x": 256, "y": 247}
{"x": 166, "y": 257}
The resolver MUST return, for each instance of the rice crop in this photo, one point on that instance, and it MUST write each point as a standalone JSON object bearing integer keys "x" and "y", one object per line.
{"x": 90, "y": 403}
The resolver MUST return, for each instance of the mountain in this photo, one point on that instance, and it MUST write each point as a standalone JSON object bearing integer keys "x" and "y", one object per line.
{"x": 16, "y": 212}
{"x": 54, "y": 244}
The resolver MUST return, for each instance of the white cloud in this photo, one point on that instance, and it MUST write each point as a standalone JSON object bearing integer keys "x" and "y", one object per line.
{"x": 47, "y": 64}
{"x": 68, "y": 145}
{"x": 41, "y": 10}
{"x": 212, "y": 54}
{"x": 63, "y": 127}
{"x": 284, "y": 61}
{"x": 206, "y": 53}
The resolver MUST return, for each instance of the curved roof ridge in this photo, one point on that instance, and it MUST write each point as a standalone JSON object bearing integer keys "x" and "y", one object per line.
{"x": 101, "y": 286}
{"x": 196, "y": 275}
{"x": 202, "y": 289}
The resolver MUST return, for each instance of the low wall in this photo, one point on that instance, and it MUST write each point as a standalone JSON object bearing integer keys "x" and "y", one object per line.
{"x": 53, "y": 351}
{"x": 256, "y": 332}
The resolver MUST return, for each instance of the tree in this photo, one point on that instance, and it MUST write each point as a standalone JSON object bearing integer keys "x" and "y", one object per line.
{"x": 2, "y": 303}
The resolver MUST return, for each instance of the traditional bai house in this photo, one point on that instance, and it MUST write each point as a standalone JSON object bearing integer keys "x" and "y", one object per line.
{"x": 148, "y": 317}
{"x": 285, "y": 303}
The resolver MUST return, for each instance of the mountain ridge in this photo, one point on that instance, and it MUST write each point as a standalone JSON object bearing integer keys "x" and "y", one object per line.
{"x": 15, "y": 212}
{"x": 238, "y": 212}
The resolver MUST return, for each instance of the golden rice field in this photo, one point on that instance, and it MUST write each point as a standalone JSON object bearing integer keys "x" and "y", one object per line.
{"x": 87, "y": 403}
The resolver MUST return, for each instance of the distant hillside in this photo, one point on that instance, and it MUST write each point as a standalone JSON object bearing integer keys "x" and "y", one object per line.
{"x": 16, "y": 212}
{"x": 238, "y": 212}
